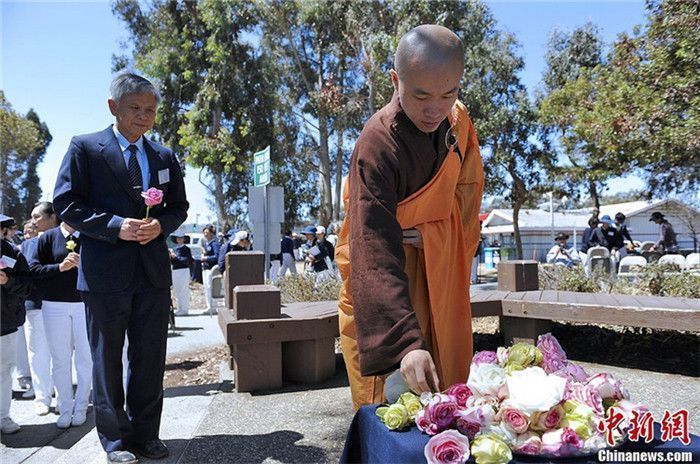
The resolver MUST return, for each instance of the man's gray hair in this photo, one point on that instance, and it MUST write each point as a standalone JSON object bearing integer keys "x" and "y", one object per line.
{"x": 127, "y": 82}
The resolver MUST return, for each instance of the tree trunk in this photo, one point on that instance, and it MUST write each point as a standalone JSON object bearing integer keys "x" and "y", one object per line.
{"x": 326, "y": 210}
{"x": 339, "y": 176}
{"x": 219, "y": 199}
{"x": 516, "y": 230}
{"x": 3, "y": 166}
{"x": 340, "y": 129}
{"x": 593, "y": 189}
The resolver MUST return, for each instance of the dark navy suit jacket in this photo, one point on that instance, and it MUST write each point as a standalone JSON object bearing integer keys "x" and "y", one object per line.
{"x": 93, "y": 194}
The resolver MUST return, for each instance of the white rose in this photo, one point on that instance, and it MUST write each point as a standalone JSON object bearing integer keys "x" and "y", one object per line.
{"x": 532, "y": 390}
{"x": 486, "y": 379}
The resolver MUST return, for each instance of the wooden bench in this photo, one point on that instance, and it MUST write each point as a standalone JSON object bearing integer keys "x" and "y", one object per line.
{"x": 271, "y": 342}
{"x": 526, "y": 312}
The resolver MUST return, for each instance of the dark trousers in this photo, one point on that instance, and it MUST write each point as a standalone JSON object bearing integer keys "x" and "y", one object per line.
{"x": 141, "y": 311}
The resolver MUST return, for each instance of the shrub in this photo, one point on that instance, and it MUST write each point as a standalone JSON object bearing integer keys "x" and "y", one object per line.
{"x": 305, "y": 287}
{"x": 654, "y": 279}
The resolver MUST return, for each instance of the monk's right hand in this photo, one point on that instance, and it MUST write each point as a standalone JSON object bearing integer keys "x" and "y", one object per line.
{"x": 130, "y": 228}
{"x": 419, "y": 373}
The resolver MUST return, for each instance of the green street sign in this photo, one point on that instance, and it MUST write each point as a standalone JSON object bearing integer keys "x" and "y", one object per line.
{"x": 261, "y": 167}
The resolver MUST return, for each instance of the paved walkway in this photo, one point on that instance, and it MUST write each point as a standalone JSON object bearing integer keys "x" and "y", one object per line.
{"x": 212, "y": 424}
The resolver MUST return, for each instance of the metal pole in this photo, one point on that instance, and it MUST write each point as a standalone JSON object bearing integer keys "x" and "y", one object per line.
{"x": 266, "y": 247}
{"x": 551, "y": 213}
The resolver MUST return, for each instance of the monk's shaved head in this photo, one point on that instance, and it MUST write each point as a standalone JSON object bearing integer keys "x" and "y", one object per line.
{"x": 426, "y": 47}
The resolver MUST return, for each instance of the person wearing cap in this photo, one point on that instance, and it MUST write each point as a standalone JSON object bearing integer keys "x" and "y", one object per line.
{"x": 561, "y": 254}
{"x": 209, "y": 258}
{"x": 124, "y": 274}
{"x": 326, "y": 247}
{"x": 287, "y": 252}
{"x": 14, "y": 289}
{"x": 239, "y": 242}
{"x": 667, "y": 242}
{"x": 310, "y": 233}
{"x": 181, "y": 261}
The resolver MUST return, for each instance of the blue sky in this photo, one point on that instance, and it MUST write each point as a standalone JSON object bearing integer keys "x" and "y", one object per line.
{"x": 55, "y": 57}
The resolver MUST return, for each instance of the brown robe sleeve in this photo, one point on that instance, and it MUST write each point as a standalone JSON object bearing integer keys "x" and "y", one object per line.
{"x": 387, "y": 327}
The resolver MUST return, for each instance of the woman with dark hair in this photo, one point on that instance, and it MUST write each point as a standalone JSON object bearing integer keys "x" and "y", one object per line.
{"x": 55, "y": 267}
{"x": 43, "y": 219}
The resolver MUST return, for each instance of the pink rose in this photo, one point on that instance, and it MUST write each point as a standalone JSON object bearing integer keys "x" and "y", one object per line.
{"x": 553, "y": 356}
{"x": 586, "y": 395}
{"x": 487, "y": 357}
{"x": 547, "y": 420}
{"x": 561, "y": 442}
{"x": 528, "y": 443}
{"x": 572, "y": 371}
{"x": 152, "y": 197}
{"x": 438, "y": 414}
{"x": 607, "y": 386}
{"x": 460, "y": 393}
{"x": 449, "y": 446}
{"x": 514, "y": 420}
{"x": 470, "y": 421}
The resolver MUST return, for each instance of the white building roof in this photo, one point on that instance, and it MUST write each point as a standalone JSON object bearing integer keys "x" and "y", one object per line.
{"x": 501, "y": 220}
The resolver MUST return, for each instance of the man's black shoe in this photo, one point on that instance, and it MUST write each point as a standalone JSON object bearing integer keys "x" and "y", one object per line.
{"x": 121, "y": 457}
{"x": 152, "y": 449}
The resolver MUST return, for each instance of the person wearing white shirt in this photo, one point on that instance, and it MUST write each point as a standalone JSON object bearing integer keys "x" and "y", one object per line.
{"x": 561, "y": 254}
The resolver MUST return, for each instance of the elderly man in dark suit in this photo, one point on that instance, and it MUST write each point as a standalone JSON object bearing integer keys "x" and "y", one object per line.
{"x": 124, "y": 273}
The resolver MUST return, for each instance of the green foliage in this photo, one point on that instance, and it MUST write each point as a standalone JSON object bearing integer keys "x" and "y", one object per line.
{"x": 649, "y": 104}
{"x": 23, "y": 142}
{"x": 304, "y": 287}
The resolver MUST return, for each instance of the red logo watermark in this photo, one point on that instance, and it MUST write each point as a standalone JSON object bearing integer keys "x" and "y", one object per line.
{"x": 641, "y": 425}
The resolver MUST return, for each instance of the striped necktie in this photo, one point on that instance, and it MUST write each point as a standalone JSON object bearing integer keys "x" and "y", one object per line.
{"x": 134, "y": 169}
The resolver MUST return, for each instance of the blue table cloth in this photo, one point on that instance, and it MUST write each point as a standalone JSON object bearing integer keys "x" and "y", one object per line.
{"x": 369, "y": 441}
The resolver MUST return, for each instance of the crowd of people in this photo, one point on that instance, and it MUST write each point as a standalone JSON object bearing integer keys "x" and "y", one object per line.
{"x": 314, "y": 247}
{"x": 612, "y": 235}
{"x": 43, "y": 314}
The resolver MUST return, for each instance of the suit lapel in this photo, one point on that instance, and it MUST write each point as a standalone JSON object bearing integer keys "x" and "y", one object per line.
{"x": 154, "y": 163}
{"x": 112, "y": 154}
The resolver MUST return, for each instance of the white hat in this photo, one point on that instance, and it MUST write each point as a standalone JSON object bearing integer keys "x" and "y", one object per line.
{"x": 240, "y": 235}
{"x": 320, "y": 230}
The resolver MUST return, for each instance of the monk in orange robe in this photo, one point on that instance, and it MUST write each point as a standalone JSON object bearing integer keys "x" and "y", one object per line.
{"x": 412, "y": 202}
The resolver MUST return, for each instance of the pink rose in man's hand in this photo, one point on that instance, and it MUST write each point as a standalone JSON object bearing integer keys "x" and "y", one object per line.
{"x": 152, "y": 197}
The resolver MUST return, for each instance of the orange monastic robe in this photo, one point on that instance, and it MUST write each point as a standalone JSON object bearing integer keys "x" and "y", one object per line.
{"x": 445, "y": 211}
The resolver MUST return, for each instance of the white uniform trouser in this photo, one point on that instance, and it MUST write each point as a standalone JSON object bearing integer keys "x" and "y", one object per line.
{"x": 181, "y": 289}
{"x": 22, "y": 362}
{"x": 207, "y": 281}
{"x": 8, "y": 359}
{"x": 39, "y": 356}
{"x": 66, "y": 331}
{"x": 274, "y": 269}
{"x": 288, "y": 262}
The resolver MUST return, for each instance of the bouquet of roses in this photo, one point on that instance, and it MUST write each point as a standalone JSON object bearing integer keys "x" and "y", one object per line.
{"x": 525, "y": 399}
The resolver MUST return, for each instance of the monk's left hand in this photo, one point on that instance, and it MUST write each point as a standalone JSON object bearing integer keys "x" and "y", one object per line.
{"x": 148, "y": 231}
{"x": 413, "y": 237}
